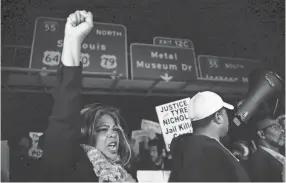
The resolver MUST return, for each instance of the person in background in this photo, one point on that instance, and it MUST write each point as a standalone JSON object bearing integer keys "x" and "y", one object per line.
{"x": 200, "y": 157}
{"x": 150, "y": 158}
{"x": 157, "y": 159}
{"x": 266, "y": 164}
{"x": 87, "y": 145}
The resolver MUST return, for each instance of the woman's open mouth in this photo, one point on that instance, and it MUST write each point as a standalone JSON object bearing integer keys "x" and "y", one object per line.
{"x": 112, "y": 147}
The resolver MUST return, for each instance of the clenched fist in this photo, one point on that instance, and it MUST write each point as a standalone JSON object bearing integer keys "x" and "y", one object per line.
{"x": 79, "y": 25}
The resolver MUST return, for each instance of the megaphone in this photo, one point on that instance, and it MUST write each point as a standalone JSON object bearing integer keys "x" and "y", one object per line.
{"x": 263, "y": 84}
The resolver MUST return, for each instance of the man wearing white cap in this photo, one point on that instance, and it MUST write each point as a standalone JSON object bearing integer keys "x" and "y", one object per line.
{"x": 200, "y": 156}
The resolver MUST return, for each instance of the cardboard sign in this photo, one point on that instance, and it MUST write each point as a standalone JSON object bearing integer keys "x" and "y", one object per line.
{"x": 139, "y": 133}
{"x": 153, "y": 176}
{"x": 35, "y": 151}
{"x": 147, "y": 124}
{"x": 174, "y": 120}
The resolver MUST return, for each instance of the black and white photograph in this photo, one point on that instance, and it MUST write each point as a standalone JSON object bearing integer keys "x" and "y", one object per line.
{"x": 142, "y": 91}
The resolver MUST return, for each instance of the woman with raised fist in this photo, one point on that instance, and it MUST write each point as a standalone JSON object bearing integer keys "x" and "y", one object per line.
{"x": 82, "y": 145}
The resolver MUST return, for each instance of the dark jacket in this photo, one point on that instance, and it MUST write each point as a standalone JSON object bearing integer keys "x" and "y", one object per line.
{"x": 263, "y": 167}
{"x": 199, "y": 158}
{"x": 64, "y": 159}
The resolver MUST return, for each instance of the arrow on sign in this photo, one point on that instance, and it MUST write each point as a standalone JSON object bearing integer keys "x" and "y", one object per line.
{"x": 166, "y": 77}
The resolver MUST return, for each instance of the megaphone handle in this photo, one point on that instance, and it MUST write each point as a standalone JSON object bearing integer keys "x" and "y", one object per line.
{"x": 236, "y": 121}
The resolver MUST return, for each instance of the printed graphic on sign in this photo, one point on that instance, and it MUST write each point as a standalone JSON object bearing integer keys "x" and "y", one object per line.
{"x": 103, "y": 51}
{"x": 35, "y": 151}
{"x": 174, "y": 120}
{"x": 108, "y": 61}
{"x": 85, "y": 59}
{"x": 175, "y": 42}
{"x": 147, "y": 124}
{"x": 154, "y": 62}
{"x": 51, "y": 58}
{"x": 225, "y": 69}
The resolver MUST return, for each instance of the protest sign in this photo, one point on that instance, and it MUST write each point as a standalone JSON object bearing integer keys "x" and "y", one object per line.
{"x": 35, "y": 151}
{"x": 141, "y": 135}
{"x": 174, "y": 120}
{"x": 153, "y": 176}
{"x": 137, "y": 134}
{"x": 147, "y": 124}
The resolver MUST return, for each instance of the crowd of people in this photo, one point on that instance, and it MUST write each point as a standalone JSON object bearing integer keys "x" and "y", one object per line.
{"x": 100, "y": 151}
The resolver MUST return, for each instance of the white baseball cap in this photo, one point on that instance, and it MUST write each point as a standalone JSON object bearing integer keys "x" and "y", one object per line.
{"x": 204, "y": 104}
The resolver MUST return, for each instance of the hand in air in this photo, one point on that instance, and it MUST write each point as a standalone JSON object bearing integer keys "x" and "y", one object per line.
{"x": 79, "y": 25}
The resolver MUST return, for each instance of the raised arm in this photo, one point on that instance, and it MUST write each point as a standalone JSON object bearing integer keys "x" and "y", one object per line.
{"x": 62, "y": 136}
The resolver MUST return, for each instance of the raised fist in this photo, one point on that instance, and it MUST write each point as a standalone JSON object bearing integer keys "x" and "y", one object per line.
{"x": 79, "y": 25}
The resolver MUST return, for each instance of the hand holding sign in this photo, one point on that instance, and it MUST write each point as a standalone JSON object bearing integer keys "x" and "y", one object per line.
{"x": 151, "y": 133}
